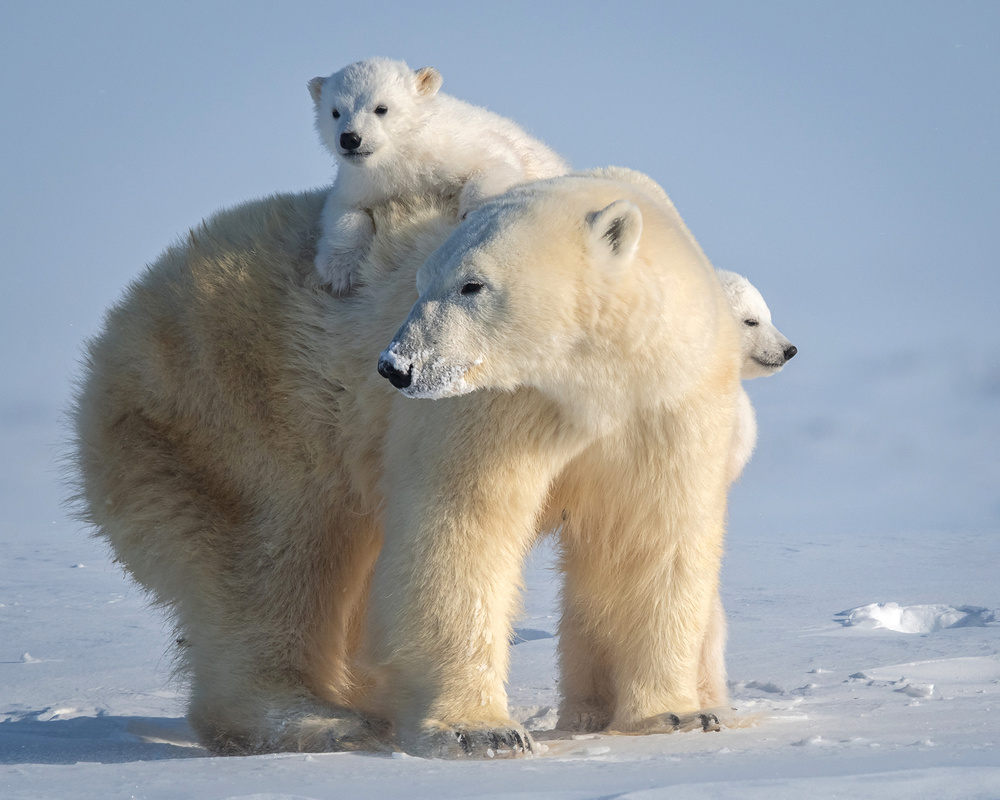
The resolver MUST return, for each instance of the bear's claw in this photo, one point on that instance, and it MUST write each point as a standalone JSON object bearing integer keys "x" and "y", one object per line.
{"x": 483, "y": 743}
{"x": 710, "y": 723}
{"x": 669, "y": 722}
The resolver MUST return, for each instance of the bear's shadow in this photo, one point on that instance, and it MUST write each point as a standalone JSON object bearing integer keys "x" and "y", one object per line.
{"x": 104, "y": 739}
{"x": 521, "y": 635}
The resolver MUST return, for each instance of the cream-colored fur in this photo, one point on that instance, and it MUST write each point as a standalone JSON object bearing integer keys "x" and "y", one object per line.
{"x": 634, "y": 359}
{"x": 344, "y": 561}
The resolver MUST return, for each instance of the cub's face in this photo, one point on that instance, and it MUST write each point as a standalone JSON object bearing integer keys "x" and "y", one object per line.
{"x": 765, "y": 350}
{"x": 365, "y": 111}
{"x": 500, "y": 301}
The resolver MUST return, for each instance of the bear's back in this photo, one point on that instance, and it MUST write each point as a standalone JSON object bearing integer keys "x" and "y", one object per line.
{"x": 227, "y": 361}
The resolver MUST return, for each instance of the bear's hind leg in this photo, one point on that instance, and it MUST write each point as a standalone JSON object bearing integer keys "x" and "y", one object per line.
{"x": 641, "y": 556}
{"x": 713, "y": 691}
{"x": 279, "y": 675}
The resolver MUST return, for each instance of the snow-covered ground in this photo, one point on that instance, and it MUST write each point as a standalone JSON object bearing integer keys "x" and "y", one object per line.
{"x": 864, "y": 655}
{"x": 843, "y": 156}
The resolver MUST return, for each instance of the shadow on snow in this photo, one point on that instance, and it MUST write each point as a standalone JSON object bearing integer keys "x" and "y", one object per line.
{"x": 104, "y": 739}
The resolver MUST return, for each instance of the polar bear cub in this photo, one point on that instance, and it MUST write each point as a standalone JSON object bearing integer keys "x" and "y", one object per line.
{"x": 393, "y": 134}
{"x": 765, "y": 351}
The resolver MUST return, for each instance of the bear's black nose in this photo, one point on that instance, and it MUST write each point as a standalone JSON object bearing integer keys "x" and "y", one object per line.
{"x": 397, "y": 378}
{"x": 350, "y": 140}
{"x": 790, "y": 351}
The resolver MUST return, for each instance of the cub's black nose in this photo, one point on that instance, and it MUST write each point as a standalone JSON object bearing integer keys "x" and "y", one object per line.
{"x": 350, "y": 140}
{"x": 790, "y": 351}
{"x": 397, "y": 378}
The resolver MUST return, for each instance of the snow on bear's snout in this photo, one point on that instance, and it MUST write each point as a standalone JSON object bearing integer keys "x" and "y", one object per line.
{"x": 424, "y": 359}
{"x": 423, "y": 375}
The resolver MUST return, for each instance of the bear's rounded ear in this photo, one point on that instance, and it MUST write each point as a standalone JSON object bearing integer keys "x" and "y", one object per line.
{"x": 429, "y": 80}
{"x": 316, "y": 88}
{"x": 615, "y": 229}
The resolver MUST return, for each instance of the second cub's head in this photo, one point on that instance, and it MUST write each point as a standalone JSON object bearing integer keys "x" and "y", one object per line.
{"x": 366, "y": 111}
{"x": 765, "y": 350}
{"x": 511, "y": 298}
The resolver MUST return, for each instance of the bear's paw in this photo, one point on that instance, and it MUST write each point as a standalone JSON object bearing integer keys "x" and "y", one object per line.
{"x": 669, "y": 722}
{"x": 584, "y": 719}
{"x": 464, "y": 741}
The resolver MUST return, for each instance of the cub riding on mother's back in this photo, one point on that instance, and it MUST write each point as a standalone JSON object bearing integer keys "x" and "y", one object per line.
{"x": 395, "y": 135}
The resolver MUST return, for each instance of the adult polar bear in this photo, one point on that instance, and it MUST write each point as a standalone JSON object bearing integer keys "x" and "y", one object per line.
{"x": 247, "y": 464}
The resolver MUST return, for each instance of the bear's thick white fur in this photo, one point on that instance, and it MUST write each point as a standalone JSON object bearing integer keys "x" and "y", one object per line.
{"x": 343, "y": 561}
{"x": 408, "y": 138}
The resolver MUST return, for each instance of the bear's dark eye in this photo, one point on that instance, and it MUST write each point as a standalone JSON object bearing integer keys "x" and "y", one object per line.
{"x": 381, "y": 110}
{"x": 336, "y": 114}
{"x": 751, "y": 323}
{"x": 472, "y": 288}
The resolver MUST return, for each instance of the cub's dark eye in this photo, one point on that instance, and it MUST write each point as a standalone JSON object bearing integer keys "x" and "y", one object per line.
{"x": 381, "y": 110}
{"x": 336, "y": 114}
{"x": 472, "y": 288}
{"x": 751, "y": 323}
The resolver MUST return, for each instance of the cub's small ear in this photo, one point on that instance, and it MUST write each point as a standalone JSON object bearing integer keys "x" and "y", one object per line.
{"x": 615, "y": 229}
{"x": 429, "y": 80}
{"x": 316, "y": 88}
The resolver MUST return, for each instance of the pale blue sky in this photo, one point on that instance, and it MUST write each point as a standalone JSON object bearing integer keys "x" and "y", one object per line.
{"x": 843, "y": 155}
{"x": 838, "y": 153}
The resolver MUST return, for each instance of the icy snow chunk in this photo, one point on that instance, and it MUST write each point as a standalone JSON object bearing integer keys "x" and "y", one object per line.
{"x": 916, "y": 689}
{"x": 915, "y": 619}
{"x": 537, "y": 718}
{"x": 764, "y": 686}
{"x": 58, "y": 713}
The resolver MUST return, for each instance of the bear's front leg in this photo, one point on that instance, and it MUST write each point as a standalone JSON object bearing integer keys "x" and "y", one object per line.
{"x": 463, "y": 490}
{"x": 344, "y": 242}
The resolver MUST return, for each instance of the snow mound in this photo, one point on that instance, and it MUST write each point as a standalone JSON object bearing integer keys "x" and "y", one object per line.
{"x": 915, "y": 619}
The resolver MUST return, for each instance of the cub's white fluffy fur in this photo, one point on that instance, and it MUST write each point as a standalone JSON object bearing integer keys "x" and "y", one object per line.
{"x": 765, "y": 352}
{"x": 394, "y": 134}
